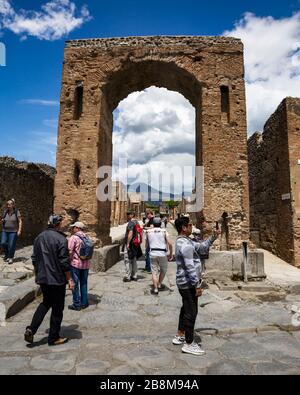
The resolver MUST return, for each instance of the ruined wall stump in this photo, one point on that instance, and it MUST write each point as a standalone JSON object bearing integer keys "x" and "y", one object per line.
{"x": 274, "y": 177}
{"x": 32, "y": 186}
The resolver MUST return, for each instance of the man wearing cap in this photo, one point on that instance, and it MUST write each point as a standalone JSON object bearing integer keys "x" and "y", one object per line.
{"x": 79, "y": 268}
{"x": 51, "y": 261}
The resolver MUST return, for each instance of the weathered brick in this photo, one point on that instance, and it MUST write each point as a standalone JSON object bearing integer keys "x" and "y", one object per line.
{"x": 109, "y": 70}
{"x": 274, "y": 174}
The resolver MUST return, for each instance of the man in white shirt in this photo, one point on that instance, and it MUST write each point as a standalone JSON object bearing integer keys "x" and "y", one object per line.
{"x": 160, "y": 252}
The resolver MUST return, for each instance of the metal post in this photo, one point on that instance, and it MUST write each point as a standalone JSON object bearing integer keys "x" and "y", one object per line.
{"x": 245, "y": 261}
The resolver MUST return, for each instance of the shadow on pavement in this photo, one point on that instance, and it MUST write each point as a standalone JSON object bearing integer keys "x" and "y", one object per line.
{"x": 71, "y": 332}
{"x": 163, "y": 289}
{"x": 94, "y": 299}
{"x": 41, "y": 342}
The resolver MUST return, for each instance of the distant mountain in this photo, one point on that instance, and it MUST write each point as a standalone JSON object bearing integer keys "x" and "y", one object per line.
{"x": 153, "y": 195}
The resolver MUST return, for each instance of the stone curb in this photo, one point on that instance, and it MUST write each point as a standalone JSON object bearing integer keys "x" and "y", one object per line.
{"x": 229, "y": 264}
{"x": 106, "y": 257}
{"x": 15, "y": 298}
{"x": 118, "y": 240}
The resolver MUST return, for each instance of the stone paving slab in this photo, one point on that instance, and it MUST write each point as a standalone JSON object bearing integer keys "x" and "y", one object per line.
{"x": 229, "y": 368}
{"x": 17, "y": 276}
{"x": 92, "y": 367}
{"x": 14, "y": 298}
{"x": 13, "y": 295}
{"x": 126, "y": 330}
{"x": 252, "y": 317}
{"x": 275, "y": 369}
{"x": 56, "y": 362}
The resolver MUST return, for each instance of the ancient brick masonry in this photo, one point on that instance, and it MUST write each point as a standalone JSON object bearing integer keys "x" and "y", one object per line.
{"x": 99, "y": 73}
{"x": 119, "y": 204}
{"x": 32, "y": 186}
{"x": 274, "y": 176}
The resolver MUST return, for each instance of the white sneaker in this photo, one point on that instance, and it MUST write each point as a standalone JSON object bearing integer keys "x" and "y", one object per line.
{"x": 178, "y": 340}
{"x": 193, "y": 348}
{"x": 10, "y": 261}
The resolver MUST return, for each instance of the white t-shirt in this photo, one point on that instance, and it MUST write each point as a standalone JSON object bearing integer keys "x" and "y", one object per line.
{"x": 157, "y": 241}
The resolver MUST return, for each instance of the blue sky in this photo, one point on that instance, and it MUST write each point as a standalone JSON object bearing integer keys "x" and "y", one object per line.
{"x": 33, "y": 70}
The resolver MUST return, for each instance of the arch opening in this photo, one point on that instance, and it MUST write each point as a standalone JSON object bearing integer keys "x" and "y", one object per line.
{"x": 139, "y": 77}
{"x": 154, "y": 137}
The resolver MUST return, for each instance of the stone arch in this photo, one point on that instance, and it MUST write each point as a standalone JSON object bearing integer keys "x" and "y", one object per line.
{"x": 137, "y": 76}
{"x": 201, "y": 69}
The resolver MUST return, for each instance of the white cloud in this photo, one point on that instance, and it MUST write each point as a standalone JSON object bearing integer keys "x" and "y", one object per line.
{"x": 272, "y": 63}
{"x": 44, "y": 139}
{"x": 155, "y": 131}
{"x": 51, "y": 123}
{"x": 42, "y": 145}
{"x": 40, "y": 102}
{"x": 153, "y": 122}
{"x": 5, "y": 8}
{"x": 177, "y": 172}
{"x": 37, "y": 146}
{"x": 56, "y": 19}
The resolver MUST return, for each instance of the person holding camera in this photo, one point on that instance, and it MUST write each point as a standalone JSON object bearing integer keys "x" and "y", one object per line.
{"x": 189, "y": 282}
{"x": 11, "y": 230}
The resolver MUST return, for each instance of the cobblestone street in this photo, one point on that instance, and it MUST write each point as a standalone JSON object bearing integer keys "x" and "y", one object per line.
{"x": 184, "y": 115}
{"x": 127, "y": 330}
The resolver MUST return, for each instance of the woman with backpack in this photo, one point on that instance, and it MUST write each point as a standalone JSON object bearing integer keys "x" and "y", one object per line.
{"x": 80, "y": 248}
{"x": 11, "y": 229}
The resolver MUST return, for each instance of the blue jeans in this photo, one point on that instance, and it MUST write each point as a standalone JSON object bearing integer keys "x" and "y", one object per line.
{"x": 9, "y": 243}
{"x": 80, "y": 293}
{"x": 147, "y": 259}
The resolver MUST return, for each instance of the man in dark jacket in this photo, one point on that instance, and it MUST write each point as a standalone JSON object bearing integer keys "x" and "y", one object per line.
{"x": 51, "y": 262}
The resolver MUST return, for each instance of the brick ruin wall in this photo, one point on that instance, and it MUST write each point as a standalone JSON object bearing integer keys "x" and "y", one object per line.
{"x": 293, "y": 119}
{"x": 274, "y": 180}
{"x": 32, "y": 186}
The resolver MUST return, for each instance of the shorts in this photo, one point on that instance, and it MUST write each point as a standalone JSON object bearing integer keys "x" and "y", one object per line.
{"x": 159, "y": 264}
